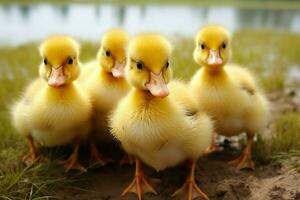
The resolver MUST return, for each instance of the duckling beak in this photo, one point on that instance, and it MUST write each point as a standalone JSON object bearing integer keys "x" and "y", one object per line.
{"x": 57, "y": 77}
{"x": 157, "y": 85}
{"x": 214, "y": 58}
{"x": 118, "y": 69}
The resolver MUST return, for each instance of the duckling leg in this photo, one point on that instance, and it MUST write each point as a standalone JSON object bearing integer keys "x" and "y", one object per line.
{"x": 72, "y": 162}
{"x": 96, "y": 156}
{"x": 33, "y": 152}
{"x": 193, "y": 191}
{"x": 127, "y": 159}
{"x": 245, "y": 160}
{"x": 140, "y": 184}
{"x": 212, "y": 147}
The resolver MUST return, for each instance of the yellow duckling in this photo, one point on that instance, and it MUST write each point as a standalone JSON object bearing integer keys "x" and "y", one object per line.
{"x": 152, "y": 125}
{"x": 53, "y": 111}
{"x": 104, "y": 81}
{"x": 228, "y": 93}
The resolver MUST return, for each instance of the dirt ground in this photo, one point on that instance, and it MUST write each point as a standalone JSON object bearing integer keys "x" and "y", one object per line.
{"x": 214, "y": 176}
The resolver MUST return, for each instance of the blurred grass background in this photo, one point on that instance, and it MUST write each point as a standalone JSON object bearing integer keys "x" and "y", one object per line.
{"x": 269, "y": 54}
{"x": 287, "y": 4}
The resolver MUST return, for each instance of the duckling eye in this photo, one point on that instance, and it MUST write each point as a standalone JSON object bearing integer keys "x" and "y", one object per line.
{"x": 224, "y": 45}
{"x": 139, "y": 65}
{"x": 45, "y": 61}
{"x": 70, "y": 61}
{"x": 107, "y": 53}
{"x": 167, "y": 64}
{"x": 202, "y": 46}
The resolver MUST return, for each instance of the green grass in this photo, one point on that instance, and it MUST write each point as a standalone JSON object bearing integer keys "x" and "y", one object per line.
{"x": 284, "y": 143}
{"x": 19, "y": 66}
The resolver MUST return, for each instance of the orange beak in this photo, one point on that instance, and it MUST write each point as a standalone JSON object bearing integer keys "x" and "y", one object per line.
{"x": 118, "y": 69}
{"x": 214, "y": 58}
{"x": 57, "y": 77}
{"x": 157, "y": 85}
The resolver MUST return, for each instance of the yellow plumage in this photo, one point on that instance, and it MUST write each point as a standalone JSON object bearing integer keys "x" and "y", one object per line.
{"x": 99, "y": 82}
{"x": 232, "y": 98}
{"x": 228, "y": 93}
{"x": 161, "y": 130}
{"x": 53, "y": 114}
{"x": 158, "y": 130}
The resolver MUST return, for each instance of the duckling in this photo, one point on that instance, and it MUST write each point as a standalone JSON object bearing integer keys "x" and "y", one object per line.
{"x": 154, "y": 126}
{"x": 104, "y": 81}
{"x": 53, "y": 110}
{"x": 229, "y": 93}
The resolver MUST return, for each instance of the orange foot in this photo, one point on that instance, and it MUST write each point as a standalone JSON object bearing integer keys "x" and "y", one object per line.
{"x": 212, "y": 148}
{"x": 190, "y": 186}
{"x": 140, "y": 184}
{"x": 127, "y": 159}
{"x": 33, "y": 154}
{"x": 245, "y": 160}
{"x": 97, "y": 158}
{"x": 72, "y": 163}
{"x": 29, "y": 158}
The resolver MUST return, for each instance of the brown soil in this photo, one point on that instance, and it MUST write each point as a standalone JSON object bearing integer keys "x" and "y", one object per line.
{"x": 214, "y": 176}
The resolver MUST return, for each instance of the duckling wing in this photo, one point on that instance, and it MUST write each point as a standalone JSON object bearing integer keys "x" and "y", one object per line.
{"x": 200, "y": 135}
{"x": 244, "y": 78}
{"x": 257, "y": 111}
{"x": 19, "y": 110}
{"x": 179, "y": 92}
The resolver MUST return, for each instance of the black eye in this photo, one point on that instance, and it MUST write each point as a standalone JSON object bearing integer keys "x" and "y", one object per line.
{"x": 70, "y": 61}
{"x": 202, "y": 46}
{"x": 224, "y": 45}
{"x": 107, "y": 53}
{"x": 139, "y": 65}
{"x": 167, "y": 64}
{"x": 45, "y": 61}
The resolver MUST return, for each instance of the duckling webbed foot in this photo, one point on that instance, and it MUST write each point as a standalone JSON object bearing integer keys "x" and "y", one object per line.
{"x": 190, "y": 186}
{"x": 29, "y": 158}
{"x": 140, "y": 184}
{"x": 245, "y": 160}
{"x": 33, "y": 154}
{"x": 127, "y": 159}
{"x": 97, "y": 158}
{"x": 213, "y": 147}
{"x": 72, "y": 162}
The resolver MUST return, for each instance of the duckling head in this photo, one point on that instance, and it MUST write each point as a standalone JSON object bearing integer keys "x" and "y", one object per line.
{"x": 148, "y": 66}
{"x": 212, "y": 47}
{"x": 112, "y": 52}
{"x": 60, "y": 63}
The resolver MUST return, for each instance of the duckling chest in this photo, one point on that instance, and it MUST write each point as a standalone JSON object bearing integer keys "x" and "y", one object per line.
{"x": 150, "y": 127}
{"x": 226, "y": 104}
{"x": 150, "y": 136}
{"x": 59, "y": 111}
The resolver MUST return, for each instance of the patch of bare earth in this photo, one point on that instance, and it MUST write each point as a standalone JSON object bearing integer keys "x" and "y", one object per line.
{"x": 214, "y": 176}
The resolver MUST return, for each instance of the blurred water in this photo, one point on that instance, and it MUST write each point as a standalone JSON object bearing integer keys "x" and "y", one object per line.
{"x": 21, "y": 24}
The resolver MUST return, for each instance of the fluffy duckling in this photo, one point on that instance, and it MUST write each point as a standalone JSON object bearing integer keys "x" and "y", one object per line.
{"x": 228, "y": 93}
{"x": 154, "y": 126}
{"x": 53, "y": 111}
{"x": 104, "y": 81}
